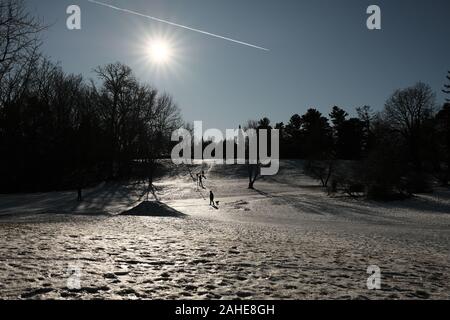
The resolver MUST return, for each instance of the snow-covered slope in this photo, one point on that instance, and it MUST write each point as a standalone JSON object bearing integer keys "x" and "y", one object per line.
{"x": 286, "y": 239}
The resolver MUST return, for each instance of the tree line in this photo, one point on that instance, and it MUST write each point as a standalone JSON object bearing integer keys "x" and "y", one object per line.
{"x": 401, "y": 150}
{"x": 58, "y": 130}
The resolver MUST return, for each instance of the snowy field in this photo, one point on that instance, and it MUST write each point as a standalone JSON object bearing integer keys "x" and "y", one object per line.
{"x": 285, "y": 240}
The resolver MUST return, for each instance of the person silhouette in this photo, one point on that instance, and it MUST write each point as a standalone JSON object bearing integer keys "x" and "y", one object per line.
{"x": 79, "y": 193}
{"x": 211, "y": 199}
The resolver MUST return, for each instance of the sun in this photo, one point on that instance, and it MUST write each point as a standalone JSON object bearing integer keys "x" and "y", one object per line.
{"x": 160, "y": 51}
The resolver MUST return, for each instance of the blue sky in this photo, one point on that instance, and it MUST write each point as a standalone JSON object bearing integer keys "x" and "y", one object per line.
{"x": 321, "y": 53}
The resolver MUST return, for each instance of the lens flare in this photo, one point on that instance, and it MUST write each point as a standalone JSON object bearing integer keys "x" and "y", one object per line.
{"x": 160, "y": 52}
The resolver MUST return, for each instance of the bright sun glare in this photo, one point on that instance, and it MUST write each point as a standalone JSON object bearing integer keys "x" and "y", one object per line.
{"x": 160, "y": 51}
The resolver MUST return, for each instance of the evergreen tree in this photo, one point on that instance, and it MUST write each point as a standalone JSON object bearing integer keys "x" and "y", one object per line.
{"x": 316, "y": 135}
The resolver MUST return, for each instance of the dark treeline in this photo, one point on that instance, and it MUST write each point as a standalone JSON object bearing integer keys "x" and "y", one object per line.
{"x": 58, "y": 130}
{"x": 399, "y": 151}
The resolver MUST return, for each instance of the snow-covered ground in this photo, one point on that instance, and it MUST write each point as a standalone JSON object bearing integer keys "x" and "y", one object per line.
{"x": 285, "y": 240}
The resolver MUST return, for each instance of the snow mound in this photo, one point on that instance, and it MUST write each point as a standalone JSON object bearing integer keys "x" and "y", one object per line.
{"x": 153, "y": 209}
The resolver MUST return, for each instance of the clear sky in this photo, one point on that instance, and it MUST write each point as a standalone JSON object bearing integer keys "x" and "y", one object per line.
{"x": 321, "y": 53}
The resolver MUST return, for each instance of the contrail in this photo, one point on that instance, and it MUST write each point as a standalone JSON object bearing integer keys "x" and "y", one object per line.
{"x": 177, "y": 25}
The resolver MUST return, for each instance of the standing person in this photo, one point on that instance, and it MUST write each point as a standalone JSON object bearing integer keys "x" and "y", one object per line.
{"x": 211, "y": 199}
{"x": 79, "y": 192}
{"x": 80, "y": 183}
{"x": 197, "y": 180}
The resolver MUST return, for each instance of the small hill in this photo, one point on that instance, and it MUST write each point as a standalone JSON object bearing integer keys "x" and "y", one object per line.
{"x": 153, "y": 209}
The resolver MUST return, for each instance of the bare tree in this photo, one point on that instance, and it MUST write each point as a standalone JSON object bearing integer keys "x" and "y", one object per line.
{"x": 19, "y": 45}
{"x": 406, "y": 112}
{"x": 253, "y": 170}
{"x": 320, "y": 170}
{"x": 167, "y": 117}
{"x": 162, "y": 119}
{"x": 251, "y": 124}
{"x": 116, "y": 106}
{"x": 446, "y": 89}
{"x": 407, "y": 109}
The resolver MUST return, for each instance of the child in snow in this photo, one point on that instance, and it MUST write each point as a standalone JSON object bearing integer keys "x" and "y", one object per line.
{"x": 211, "y": 199}
{"x": 80, "y": 196}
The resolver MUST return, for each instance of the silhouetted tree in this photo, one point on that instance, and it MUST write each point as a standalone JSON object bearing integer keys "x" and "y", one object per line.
{"x": 280, "y": 126}
{"x": 20, "y": 40}
{"x": 284, "y": 148}
{"x": 338, "y": 117}
{"x": 316, "y": 135}
{"x": 264, "y": 123}
{"x": 446, "y": 89}
{"x": 350, "y": 139}
{"x": 443, "y": 130}
{"x": 366, "y": 116}
{"x": 253, "y": 170}
{"x": 321, "y": 170}
{"x": 62, "y": 133}
{"x": 115, "y": 105}
{"x": 384, "y": 167}
{"x": 292, "y": 136}
{"x": 405, "y": 112}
